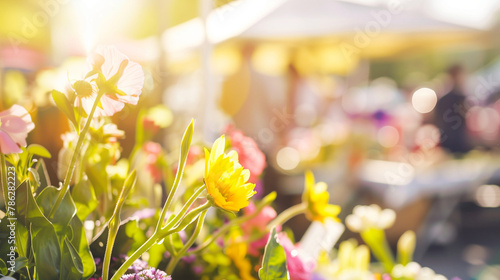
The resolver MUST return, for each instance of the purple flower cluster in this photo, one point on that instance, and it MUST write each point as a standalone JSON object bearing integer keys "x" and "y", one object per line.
{"x": 138, "y": 265}
{"x": 147, "y": 274}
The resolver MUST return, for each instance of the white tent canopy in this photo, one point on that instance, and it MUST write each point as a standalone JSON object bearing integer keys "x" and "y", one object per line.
{"x": 282, "y": 19}
{"x": 318, "y": 18}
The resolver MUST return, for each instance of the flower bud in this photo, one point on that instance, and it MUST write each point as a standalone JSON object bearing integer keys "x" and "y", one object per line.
{"x": 83, "y": 88}
{"x": 406, "y": 247}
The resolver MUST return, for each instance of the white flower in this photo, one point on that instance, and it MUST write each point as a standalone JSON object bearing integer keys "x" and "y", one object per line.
{"x": 354, "y": 274}
{"x": 409, "y": 271}
{"x": 428, "y": 274}
{"x": 414, "y": 271}
{"x": 364, "y": 217}
{"x": 112, "y": 72}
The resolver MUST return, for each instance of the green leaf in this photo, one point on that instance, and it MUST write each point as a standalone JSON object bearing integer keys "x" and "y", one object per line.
{"x": 156, "y": 254}
{"x": 139, "y": 128}
{"x": 3, "y": 268}
{"x": 186, "y": 141}
{"x": 127, "y": 187}
{"x": 79, "y": 241}
{"x": 185, "y": 144}
{"x": 63, "y": 215}
{"x": 63, "y": 104}
{"x": 41, "y": 169}
{"x": 47, "y": 253}
{"x": 98, "y": 177}
{"x": 21, "y": 262}
{"x": 21, "y": 240}
{"x": 274, "y": 260}
{"x": 39, "y": 150}
{"x": 27, "y": 208}
{"x": 173, "y": 243}
{"x": 85, "y": 199}
{"x": 71, "y": 264}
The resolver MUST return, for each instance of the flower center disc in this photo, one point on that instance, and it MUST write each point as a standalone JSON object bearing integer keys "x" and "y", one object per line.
{"x": 82, "y": 88}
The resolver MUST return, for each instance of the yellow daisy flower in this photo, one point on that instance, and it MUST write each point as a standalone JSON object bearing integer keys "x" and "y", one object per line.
{"x": 316, "y": 197}
{"x": 225, "y": 178}
{"x": 237, "y": 252}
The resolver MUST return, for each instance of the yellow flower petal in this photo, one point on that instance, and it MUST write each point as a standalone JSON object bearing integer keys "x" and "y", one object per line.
{"x": 226, "y": 180}
{"x": 317, "y": 197}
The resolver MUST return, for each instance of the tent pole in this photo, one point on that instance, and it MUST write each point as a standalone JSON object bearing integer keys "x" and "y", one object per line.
{"x": 207, "y": 105}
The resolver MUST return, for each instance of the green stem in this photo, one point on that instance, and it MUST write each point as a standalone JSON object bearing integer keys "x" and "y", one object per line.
{"x": 71, "y": 168}
{"x": 4, "y": 183}
{"x": 175, "y": 259}
{"x": 174, "y": 251}
{"x": 286, "y": 215}
{"x": 124, "y": 267}
{"x": 375, "y": 239}
{"x": 161, "y": 233}
{"x": 114, "y": 222}
{"x": 185, "y": 208}
{"x": 240, "y": 220}
{"x": 184, "y": 151}
{"x": 113, "y": 231}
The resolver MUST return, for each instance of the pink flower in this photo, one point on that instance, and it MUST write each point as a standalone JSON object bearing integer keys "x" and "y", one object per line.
{"x": 257, "y": 225}
{"x": 15, "y": 123}
{"x": 150, "y": 125}
{"x": 152, "y": 152}
{"x": 112, "y": 72}
{"x": 195, "y": 153}
{"x": 249, "y": 155}
{"x": 300, "y": 267}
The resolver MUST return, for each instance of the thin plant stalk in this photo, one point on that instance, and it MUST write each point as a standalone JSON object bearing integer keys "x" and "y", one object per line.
{"x": 4, "y": 182}
{"x": 287, "y": 215}
{"x": 175, "y": 259}
{"x": 71, "y": 168}
{"x": 265, "y": 202}
{"x": 114, "y": 222}
{"x": 160, "y": 233}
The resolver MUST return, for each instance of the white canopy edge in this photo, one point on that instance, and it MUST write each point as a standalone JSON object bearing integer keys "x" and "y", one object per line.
{"x": 223, "y": 23}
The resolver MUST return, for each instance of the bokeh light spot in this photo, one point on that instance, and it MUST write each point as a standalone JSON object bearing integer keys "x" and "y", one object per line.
{"x": 424, "y": 100}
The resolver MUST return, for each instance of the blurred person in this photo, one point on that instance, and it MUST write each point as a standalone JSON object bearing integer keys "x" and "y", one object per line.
{"x": 450, "y": 114}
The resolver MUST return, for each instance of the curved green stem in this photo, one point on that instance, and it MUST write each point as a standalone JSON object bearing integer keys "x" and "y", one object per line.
{"x": 185, "y": 208}
{"x": 171, "y": 227}
{"x": 175, "y": 259}
{"x": 185, "y": 144}
{"x": 144, "y": 247}
{"x": 265, "y": 202}
{"x": 113, "y": 231}
{"x": 375, "y": 239}
{"x": 114, "y": 222}
{"x": 286, "y": 215}
{"x": 71, "y": 168}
